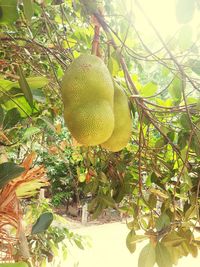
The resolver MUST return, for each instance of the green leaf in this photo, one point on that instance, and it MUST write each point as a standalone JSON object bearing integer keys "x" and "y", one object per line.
{"x": 182, "y": 139}
{"x": 162, "y": 222}
{"x": 25, "y": 87}
{"x": 48, "y": 123}
{"x": 21, "y": 104}
{"x": 8, "y": 11}
{"x": 185, "y": 37}
{"x": 113, "y": 64}
{"x": 163, "y": 257}
{"x": 30, "y": 132}
{"x": 33, "y": 82}
{"x": 5, "y": 84}
{"x": 147, "y": 257}
{"x": 131, "y": 245}
{"x": 149, "y": 89}
{"x": 38, "y": 95}
{"x": 195, "y": 65}
{"x": 12, "y": 117}
{"x": 9, "y": 171}
{"x": 152, "y": 201}
{"x": 78, "y": 243}
{"x": 185, "y": 122}
{"x": 1, "y": 116}
{"x": 108, "y": 200}
{"x": 28, "y": 9}
{"x": 42, "y": 223}
{"x": 98, "y": 211}
{"x": 185, "y": 10}
{"x": 175, "y": 89}
{"x": 30, "y": 188}
{"x": 172, "y": 239}
{"x": 195, "y": 145}
{"x": 161, "y": 142}
{"x": 37, "y": 82}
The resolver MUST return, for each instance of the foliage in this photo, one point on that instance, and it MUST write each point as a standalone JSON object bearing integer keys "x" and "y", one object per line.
{"x": 155, "y": 179}
{"x": 51, "y": 247}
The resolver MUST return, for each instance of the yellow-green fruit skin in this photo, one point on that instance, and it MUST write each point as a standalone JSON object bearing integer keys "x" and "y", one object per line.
{"x": 88, "y": 96}
{"x": 16, "y": 264}
{"x": 123, "y": 123}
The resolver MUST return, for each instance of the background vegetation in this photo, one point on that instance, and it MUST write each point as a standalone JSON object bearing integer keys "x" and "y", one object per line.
{"x": 155, "y": 179}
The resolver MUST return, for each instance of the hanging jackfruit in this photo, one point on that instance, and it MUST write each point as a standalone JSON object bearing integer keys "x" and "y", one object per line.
{"x": 88, "y": 95}
{"x": 123, "y": 123}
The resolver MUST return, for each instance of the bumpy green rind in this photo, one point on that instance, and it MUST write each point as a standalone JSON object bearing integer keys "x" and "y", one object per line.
{"x": 123, "y": 123}
{"x": 88, "y": 95}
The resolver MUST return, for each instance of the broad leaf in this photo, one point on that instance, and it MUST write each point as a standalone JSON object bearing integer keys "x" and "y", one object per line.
{"x": 163, "y": 257}
{"x": 185, "y": 10}
{"x": 42, "y": 223}
{"x": 131, "y": 245}
{"x": 185, "y": 122}
{"x": 30, "y": 132}
{"x": 25, "y": 87}
{"x": 172, "y": 239}
{"x": 147, "y": 257}
{"x": 28, "y": 9}
{"x": 185, "y": 37}
{"x": 8, "y": 11}
{"x": 162, "y": 222}
{"x": 175, "y": 89}
{"x": 12, "y": 117}
{"x": 9, "y": 171}
{"x": 149, "y": 89}
{"x": 195, "y": 65}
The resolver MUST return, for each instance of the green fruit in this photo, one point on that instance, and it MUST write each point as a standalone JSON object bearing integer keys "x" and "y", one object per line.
{"x": 123, "y": 123}
{"x": 16, "y": 264}
{"x": 88, "y": 94}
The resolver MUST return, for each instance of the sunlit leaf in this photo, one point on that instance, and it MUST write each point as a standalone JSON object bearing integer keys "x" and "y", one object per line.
{"x": 149, "y": 89}
{"x": 147, "y": 257}
{"x": 8, "y": 11}
{"x": 195, "y": 65}
{"x": 28, "y": 9}
{"x": 185, "y": 37}
{"x": 30, "y": 132}
{"x": 185, "y": 10}
{"x": 131, "y": 245}
{"x": 163, "y": 257}
{"x": 175, "y": 89}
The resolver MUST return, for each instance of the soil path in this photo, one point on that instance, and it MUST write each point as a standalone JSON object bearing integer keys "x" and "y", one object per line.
{"x": 109, "y": 248}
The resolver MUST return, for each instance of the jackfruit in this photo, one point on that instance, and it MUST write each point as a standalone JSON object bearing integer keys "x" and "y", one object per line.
{"x": 88, "y": 96}
{"x": 123, "y": 123}
{"x": 16, "y": 264}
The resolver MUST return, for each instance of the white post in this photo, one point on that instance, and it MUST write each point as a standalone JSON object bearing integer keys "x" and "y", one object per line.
{"x": 41, "y": 195}
{"x": 84, "y": 213}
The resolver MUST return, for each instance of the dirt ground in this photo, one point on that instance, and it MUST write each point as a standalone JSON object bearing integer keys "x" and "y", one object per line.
{"x": 108, "y": 248}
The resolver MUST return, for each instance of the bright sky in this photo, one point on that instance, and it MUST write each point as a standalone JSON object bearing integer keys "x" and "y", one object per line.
{"x": 163, "y": 15}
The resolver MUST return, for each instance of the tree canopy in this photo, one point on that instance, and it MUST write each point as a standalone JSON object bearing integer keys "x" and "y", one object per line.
{"x": 156, "y": 178}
